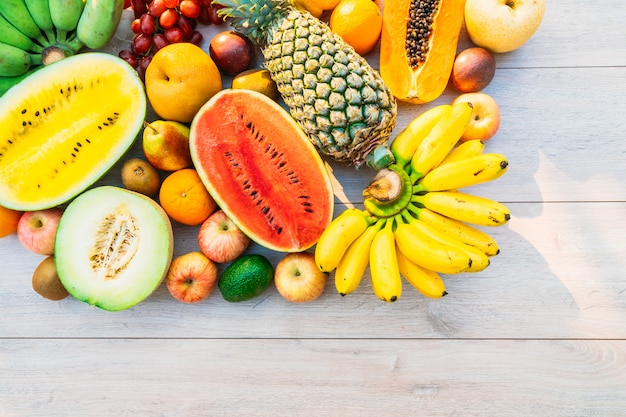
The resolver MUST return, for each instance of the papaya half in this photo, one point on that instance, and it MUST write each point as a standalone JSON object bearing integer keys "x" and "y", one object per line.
{"x": 418, "y": 45}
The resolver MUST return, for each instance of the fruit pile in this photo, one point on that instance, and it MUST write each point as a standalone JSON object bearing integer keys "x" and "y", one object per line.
{"x": 159, "y": 23}
{"x": 35, "y": 32}
{"x": 416, "y": 222}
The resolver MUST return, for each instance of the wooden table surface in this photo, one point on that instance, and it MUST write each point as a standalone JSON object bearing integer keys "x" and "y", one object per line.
{"x": 541, "y": 332}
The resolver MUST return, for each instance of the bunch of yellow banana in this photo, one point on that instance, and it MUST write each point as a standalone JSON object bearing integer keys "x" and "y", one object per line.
{"x": 36, "y": 32}
{"x": 416, "y": 223}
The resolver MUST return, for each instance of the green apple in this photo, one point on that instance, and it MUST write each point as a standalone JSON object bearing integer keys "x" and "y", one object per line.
{"x": 166, "y": 145}
{"x": 502, "y": 25}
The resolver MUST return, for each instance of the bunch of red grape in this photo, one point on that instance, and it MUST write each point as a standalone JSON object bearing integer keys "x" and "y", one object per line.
{"x": 159, "y": 23}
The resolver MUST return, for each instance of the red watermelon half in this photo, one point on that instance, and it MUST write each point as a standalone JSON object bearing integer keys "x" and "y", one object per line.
{"x": 262, "y": 170}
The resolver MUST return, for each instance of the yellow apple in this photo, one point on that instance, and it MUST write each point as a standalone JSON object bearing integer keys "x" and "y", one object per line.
{"x": 485, "y": 120}
{"x": 503, "y": 25}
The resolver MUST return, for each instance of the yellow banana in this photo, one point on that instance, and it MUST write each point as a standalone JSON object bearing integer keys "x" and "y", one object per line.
{"x": 384, "y": 270}
{"x": 479, "y": 260}
{"x": 441, "y": 139}
{"x": 406, "y": 143}
{"x": 463, "y": 173}
{"x": 464, "y": 150}
{"x": 462, "y": 231}
{"x": 427, "y": 282}
{"x": 429, "y": 253}
{"x": 14, "y": 61}
{"x": 339, "y": 234}
{"x": 355, "y": 260}
{"x": 465, "y": 207}
{"x": 15, "y": 11}
{"x": 98, "y": 22}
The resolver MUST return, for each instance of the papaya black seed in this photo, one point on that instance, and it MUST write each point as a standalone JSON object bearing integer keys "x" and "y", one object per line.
{"x": 37, "y": 113}
{"x": 24, "y": 111}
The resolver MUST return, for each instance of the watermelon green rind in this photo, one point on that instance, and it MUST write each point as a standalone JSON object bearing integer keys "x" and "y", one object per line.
{"x": 262, "y": 170}
{"x": 65, "y": 126}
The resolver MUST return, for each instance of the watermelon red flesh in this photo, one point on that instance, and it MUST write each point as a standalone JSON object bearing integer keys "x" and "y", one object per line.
{"x": 262, "y": 170}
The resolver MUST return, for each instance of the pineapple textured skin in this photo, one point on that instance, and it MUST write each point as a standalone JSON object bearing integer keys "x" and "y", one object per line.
{"x": 337, "y": 98}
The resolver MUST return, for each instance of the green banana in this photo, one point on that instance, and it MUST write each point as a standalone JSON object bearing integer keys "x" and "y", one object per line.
{"x": 10, "y": 35}
{"x": 421, "y": 249}
{"x": 13, "y": 61}
{"x": 353, "y": 263}
{"x": 441, "y": 139}
{"x": 338, "y": 236}
{"x": 98, "y": 22}
{"x": 406, "y": 143}
{"x": 465, "y": 207}
{"x": 462, "y": 231}
{"x": 463, "y": 173}
{"x": 7, "y": 82}
{"x": 65, "y": 15}
{"x": 40, "y": 12}
{"x": 384, "y": 270}
{"x": 464, "y": 150}
{"x": 15, "y": 11}
{"x": 427, "y": 282}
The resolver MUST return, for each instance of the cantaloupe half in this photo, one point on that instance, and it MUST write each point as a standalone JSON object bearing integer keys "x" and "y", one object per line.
{"x": 262, "y": 170}
{"x": 65, "y": 126}
{"x": 113, "y": 247}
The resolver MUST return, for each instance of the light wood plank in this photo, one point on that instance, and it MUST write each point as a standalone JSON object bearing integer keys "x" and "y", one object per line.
{"x": 559, "y": 275}
{"x": 232, "y": 377}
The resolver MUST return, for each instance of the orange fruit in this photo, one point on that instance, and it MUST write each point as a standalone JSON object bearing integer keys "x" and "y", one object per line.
{"x": 180, "y": 78}
{"x": 185, "y": 199}
{"x": 358, "y": 22}
{"x": 8, "y": 221}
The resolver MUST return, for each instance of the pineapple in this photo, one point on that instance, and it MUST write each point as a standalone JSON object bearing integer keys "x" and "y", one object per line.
{"x": 331, "y": 91}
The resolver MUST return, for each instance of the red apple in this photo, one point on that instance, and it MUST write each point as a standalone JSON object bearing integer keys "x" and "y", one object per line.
{"x": 485, "y": 117}
{"x": 220, "y": 239}
{"x": 191, "y": 277}
{"x": 298, "y": 278}
{"x": 473, "y": 70}
{"x": 36, "y": 230}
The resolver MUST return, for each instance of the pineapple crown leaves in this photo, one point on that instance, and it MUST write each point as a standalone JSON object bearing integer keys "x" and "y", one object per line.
{"x": 253, "y": 18}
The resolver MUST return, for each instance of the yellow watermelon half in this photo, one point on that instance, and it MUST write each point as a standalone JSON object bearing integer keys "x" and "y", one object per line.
{"x": 65, "y": 126}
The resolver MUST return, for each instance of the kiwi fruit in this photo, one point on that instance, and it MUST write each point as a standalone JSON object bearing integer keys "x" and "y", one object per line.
{"x": 139, "y": 176}
{"x": 46, "y": 281}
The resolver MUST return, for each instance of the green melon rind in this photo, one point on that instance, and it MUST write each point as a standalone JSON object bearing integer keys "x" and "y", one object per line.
{"x": 74, "y": 245}
{"x": 204, "y": 171}
{"x": 88, "y": 174}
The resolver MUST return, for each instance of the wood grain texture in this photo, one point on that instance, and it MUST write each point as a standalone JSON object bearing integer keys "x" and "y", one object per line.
{"x": 541, "y": 332}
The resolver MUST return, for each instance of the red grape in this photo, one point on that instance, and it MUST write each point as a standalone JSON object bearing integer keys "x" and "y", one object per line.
{"x": 147, "y": 24}
{"x": 135, "y": 26}
{"x": 156, "y": 8}
{"x": 141, "y": 43}
{"x": 171, "y": 4}
{"x": 144, "y": 62}
{"x": 168, "y": 18}
{"x": 185, "y": 24}
{"x": 174, "y": 34}
{"x": 160, "y": 41}
{"x": 129, "y": 57}
{"x": 204, "y": 16}
{"x": 189, "y": 8}
{"x": 195, "y": 38}
{"x": 215, "y": 18}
